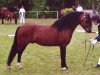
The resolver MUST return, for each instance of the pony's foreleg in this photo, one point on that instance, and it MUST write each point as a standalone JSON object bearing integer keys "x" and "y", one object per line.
{"x": 2, "y": 17}
{"x": 19, "y": 56}
{"x": 15, "y": 20}
{"x": 2, "y": 20}
{"x": 63, "y": 57}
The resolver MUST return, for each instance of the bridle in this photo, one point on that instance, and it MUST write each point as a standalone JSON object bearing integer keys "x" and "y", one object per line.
{"x": 85, "y": 18}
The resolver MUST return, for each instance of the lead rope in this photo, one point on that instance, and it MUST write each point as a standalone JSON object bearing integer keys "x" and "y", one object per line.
{"x": 85, "y": 42}
{"x": 88, "y": 50}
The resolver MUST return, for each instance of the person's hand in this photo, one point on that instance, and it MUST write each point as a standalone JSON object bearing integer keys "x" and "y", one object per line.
{"x": 94, "y": 41}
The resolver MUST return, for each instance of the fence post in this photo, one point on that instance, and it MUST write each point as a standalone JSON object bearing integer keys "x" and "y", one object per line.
{"x": 57, "y": 14}
{"x": 37, "y": 14}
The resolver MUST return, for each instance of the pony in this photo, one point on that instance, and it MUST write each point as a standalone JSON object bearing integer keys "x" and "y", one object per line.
{"x": 10, "y": 16}
{"x": 57, "y": 34}
{"x": 5, "y": 13}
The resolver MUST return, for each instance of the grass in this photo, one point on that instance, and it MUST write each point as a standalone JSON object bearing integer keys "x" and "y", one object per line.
{"x": 43, "y": 60}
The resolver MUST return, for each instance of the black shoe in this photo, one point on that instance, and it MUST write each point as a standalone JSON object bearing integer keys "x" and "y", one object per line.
{"x": 97, "y": 66}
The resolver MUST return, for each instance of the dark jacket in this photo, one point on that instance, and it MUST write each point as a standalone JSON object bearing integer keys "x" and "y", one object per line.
{"x": 97, "y": 18}
{"x": 99, "y": 29}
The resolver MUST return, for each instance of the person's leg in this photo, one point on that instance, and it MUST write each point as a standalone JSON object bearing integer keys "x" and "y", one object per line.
{"x": 98, "y": 38}
{"x": 21, "y": 19}
{"x": 98, "y": 64}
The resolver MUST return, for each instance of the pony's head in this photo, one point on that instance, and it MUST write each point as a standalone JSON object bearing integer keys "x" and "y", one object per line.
{"x": 72, "y": 19}
{"x": 86, "y": 22}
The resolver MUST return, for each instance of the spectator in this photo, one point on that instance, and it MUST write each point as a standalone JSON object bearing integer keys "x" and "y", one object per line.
{"x": 79, "y": 8}
{"x": 22, "y": 15}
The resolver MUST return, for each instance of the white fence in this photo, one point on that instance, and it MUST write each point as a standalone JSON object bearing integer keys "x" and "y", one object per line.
{"x": 43, "y": 13}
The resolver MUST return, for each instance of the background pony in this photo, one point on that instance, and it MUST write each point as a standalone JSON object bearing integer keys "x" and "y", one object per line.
{"x": 10, "y": 16}
{"x": 58, "y": 34}
{"x": 8, "y": 13}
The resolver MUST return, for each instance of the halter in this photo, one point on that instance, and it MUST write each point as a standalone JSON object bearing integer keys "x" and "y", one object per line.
{"x": 83, "y": 17}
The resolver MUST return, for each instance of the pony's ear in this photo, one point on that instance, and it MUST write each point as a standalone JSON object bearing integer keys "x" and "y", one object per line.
{"x": 84, "y": 16}
{"x": 87, "y": 13}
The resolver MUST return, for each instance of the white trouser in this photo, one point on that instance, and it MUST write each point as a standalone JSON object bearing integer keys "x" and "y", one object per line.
{"x": 22, "y": 19}
{"x": 99, "y": 61}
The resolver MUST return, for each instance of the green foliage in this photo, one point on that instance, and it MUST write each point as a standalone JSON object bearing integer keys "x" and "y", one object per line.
{"x": 89, "y": 3}
{"x": 85, "y": 2}
{"x": 97, "y": 4}
{"x": 38, "y": 5}
{"x": 43, "y": 4}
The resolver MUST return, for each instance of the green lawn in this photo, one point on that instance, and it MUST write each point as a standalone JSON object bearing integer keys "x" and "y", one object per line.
{"x": 43, "y": 60}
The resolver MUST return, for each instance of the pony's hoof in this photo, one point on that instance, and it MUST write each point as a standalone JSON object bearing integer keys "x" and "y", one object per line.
{"x": 19, "y": 65}
{"x": 65, "y": 68}
{"x": 9, "y": 67}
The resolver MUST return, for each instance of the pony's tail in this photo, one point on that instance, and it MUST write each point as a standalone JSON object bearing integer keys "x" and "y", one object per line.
{"x": 13, "y": 50}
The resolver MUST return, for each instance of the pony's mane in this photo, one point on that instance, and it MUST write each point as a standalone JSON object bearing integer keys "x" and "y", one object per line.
{"x": 67, "y": 21}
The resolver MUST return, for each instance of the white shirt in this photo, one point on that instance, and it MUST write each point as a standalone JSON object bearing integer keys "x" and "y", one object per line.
{"x": 79, "y": 8}
{"x": 22, "y": 12}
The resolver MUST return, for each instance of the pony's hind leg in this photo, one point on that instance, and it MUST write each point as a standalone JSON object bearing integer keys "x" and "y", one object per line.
{"x": 12, "y": 54}
{"x": 13, "y": 51}
{"x": 19, "y": 56}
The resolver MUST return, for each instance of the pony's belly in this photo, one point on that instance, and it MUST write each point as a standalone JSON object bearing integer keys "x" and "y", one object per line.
{"x": 47, "y": 42}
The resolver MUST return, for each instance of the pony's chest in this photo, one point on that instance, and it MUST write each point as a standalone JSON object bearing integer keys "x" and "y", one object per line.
{"x": 65, "y": 37}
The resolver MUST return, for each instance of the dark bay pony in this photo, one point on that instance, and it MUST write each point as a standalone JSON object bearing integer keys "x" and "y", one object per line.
{"x": 58, "y": 34}
{"x": 7, "y": 14}
{"x": 10, "y": 16}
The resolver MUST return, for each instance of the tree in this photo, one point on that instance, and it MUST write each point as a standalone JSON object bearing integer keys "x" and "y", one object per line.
{"x": 54, "y": 4}
{"x": 59, "y": 4}
{"x": 91, "y": 4}
{"x": 97, "y": 4}
{"x": 69, "y": 3}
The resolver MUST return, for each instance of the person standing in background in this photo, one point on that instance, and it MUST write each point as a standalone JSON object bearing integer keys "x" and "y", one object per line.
{"x": 79, "y": 8}
{"x": 22, "y": 15}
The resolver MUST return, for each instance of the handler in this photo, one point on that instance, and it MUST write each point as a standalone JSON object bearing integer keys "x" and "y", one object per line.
{"x": 96, "y": 20}
{"x": 79, "y": 8}
{"x": 22, "y": 15}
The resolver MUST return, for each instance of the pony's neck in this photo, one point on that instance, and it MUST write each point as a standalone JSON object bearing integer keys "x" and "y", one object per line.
{"x": 74, "y": 27}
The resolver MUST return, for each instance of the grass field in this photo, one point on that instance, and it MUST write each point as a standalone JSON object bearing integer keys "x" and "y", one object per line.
{"x": 43, "y": 60}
